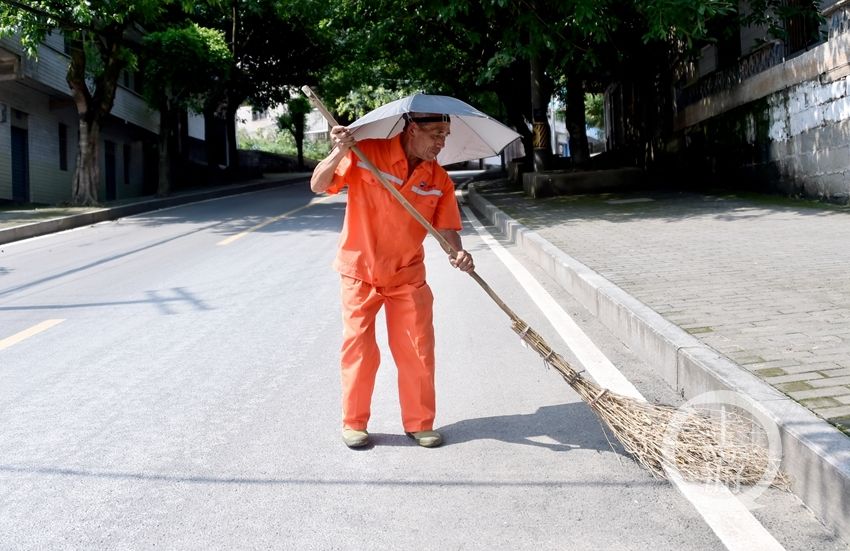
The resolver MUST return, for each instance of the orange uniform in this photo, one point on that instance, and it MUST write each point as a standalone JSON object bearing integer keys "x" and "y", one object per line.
{"x": 381, "y": 260}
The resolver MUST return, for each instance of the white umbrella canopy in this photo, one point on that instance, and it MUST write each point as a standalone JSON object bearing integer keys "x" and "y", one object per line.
{"x": 474, "y": 135}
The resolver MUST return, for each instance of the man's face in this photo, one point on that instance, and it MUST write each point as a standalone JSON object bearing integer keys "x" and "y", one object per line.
{"x": 428, "y": 139}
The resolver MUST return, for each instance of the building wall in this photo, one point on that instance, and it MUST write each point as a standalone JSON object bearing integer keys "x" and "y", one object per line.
{"x": 262, "y": 124}
{"x": 809, "y": 136}
{"x": 129, "y": 181}
{"x": 47, "y": 182}
{"x": 786, "y": 129}
{"x": 39, "y": 90}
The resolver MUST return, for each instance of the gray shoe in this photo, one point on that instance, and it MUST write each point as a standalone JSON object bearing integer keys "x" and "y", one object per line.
{"x": 427, "y": 438}
{"x": 355, "y": 438}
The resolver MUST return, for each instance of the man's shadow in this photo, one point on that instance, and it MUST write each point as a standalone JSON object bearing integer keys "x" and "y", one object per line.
{"x": 559, "y": 428}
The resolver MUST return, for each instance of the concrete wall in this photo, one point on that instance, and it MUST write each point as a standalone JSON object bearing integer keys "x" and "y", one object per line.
{"x": 48, "y": 183}
{"x": 133, "y": 186}
{"x": 785, "y": 129}
{"x": 809, "y": 136}
{"x": 39, "y": 90}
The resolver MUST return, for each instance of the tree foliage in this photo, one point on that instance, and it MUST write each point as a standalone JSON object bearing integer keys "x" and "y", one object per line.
{"x": 294, "y": 121}
{"x": 181, "y": 64}
{"x": 481, "y": 50}
{"x": 363, "y": 53}
{"x": 275, "y": 45}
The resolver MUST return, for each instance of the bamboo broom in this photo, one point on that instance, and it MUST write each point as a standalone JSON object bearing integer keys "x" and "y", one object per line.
{"x": 696, "y": 445}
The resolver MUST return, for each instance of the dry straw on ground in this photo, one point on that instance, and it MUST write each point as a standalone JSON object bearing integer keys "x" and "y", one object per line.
{"x": 698, "y": 445}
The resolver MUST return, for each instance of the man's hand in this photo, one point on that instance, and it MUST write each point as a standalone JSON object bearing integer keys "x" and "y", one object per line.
{"x": 323, "y": 174}
{"x": 341, "y": 138}
{"x": 463, "y": 261}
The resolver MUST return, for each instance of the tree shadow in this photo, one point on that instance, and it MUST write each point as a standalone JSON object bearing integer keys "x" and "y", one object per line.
{"x": 650, "y": 204}
{"x": 164, "y": 300}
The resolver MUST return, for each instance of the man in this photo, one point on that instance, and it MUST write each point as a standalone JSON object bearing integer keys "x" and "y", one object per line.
{"x": 381, "y": 262}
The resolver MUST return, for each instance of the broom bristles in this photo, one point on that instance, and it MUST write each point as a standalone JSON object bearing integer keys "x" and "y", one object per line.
{"x": 699, "y": 447}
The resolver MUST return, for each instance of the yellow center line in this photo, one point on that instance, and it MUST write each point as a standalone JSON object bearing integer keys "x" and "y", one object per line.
{"x": 240, "y": 235}
{"x": 27, "y": 333}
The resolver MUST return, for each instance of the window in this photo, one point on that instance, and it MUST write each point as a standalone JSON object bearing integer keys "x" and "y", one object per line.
{"x": 801, "y": 27}
{"x": 63, "y": 147}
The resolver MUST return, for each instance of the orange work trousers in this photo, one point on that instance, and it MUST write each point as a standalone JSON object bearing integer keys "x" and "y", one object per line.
{"x": 410, "y": 332}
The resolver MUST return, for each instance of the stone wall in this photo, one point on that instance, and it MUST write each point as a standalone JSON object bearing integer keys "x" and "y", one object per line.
{"x": 785, "y": 130}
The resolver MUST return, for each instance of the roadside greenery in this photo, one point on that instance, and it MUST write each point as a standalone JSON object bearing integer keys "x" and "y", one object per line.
{"x": 506, "y": 57}
{"x": 180, "y": 65}
{"x": 283, "y": 143}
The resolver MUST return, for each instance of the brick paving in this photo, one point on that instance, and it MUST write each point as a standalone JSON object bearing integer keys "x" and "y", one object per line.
{"x": 763, "y": 280}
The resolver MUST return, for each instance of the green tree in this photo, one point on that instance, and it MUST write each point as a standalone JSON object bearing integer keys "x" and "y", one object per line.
{"x": 100, "y": 48}
{"x": 180, "y": 64}
{"x": 274, "y": 44}
{"x": 510, "y": 56}
{"x": 294, "y": 121}
{"x": 595, "y": 110}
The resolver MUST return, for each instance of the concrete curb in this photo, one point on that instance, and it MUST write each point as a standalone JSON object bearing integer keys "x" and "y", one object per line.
{"x": 63, "y": 223}
{"x": 815, "y": 454}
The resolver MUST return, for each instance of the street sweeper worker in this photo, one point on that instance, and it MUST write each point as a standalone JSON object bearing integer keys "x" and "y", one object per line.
{"x": 381, "y": 263}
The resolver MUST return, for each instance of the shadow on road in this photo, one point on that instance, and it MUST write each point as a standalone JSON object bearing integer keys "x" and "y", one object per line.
{"x": 559, "y": 428}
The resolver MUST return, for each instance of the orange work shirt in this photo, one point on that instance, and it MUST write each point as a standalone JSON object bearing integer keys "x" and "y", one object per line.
{"x": 381, "y": 243}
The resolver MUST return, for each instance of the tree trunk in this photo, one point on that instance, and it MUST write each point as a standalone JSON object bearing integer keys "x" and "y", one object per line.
{"x": 87, "y": 174}
{"x": 539, "y": 118}
{"x": 92, "y": 108}
{"x": 232, "y": 145}
{"x": 514, "y": 91}
{"x": 168, "y": 128}
{"x": 299, "y": 139}
{"x": 577, "y": 122}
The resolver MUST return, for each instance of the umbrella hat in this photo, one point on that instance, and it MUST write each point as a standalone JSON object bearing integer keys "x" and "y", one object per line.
{"x": 474, "y": 135}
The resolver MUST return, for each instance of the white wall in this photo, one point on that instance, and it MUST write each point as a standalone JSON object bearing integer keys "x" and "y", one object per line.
{"x": 48, "y": 184}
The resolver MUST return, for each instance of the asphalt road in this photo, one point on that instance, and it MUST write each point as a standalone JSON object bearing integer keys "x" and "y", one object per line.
{"x": 170, "y": 381}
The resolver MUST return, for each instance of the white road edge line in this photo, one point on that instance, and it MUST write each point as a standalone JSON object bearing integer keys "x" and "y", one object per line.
{"x": 726, "y": 515}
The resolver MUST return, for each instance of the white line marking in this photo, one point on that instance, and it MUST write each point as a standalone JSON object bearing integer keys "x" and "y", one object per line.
{"x": 589, "y": 356}
{"x": 27, "y": 333}
{"x": 730, "y": 520}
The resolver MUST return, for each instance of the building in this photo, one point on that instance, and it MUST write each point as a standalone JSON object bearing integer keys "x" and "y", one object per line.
{"x": 763, "y": 113}
{"x": 39, "y": 130}
{"x": 258, "y": 123}
{"x": 262, "y": 123}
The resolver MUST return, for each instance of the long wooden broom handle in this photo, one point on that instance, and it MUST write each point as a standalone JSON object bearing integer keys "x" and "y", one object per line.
{"x": 447, "y": 247}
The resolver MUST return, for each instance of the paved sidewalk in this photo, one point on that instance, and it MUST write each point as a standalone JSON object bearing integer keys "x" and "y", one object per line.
{"x": 764, "y": 281}
{"x": 748, "y": 293}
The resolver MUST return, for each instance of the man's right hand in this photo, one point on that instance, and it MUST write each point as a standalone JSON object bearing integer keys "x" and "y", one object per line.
{"x": 341, "y": 143}
{"x": 341, "y": 138}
